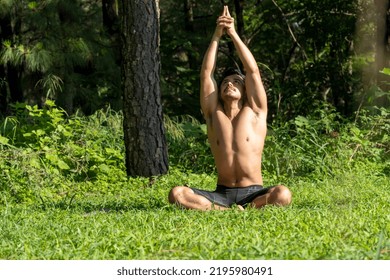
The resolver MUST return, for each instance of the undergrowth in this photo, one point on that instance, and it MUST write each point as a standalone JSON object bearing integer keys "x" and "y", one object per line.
{"x": 46, "y": 154}
{"x": 65, "y": 194}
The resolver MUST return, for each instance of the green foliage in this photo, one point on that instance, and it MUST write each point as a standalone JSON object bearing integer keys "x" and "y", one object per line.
{"x": 323, "y": 144}
{"x": 64, "y": 192}
{"x": 40, "y": 144}
{"x": 51, "y": 84}
{"x": 187, "y": 145}
{"x": 312, "y": 54}
{"x": 52, "y": 42}
{"x": 381, "y": 94}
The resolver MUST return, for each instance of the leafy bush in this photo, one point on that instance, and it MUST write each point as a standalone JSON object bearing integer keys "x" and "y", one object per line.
{"x": 49, "y": 156}
{"x": 324, "y": 144}
{"x": 188, "y": 147}
{"x": 44, "y": 151}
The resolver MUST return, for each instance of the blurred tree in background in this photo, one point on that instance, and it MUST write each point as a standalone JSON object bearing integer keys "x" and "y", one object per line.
{"x": 313, "y": 54}
{"x": 59, "y": 50}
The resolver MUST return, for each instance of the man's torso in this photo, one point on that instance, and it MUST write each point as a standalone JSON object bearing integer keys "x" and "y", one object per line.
{"x": 237, "y": 146}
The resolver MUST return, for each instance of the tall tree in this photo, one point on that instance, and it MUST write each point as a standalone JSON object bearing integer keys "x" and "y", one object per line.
{"x": 382, "y": 53}
{"x": 239, "y": 7}
{"x": 10, "y": 74}
{"x": 146, "y": 150}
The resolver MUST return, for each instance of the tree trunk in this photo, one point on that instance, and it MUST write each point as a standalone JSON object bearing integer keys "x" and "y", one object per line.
{"x": 110, "y": 16}
{"x": 239, "y": 8}
{"x": 10, "y": 75}
{"x": 382, "y": 44}
{"x": 111, "y": 25}
{"x": 388, "y": 28}
{"x": 3, "y": 92}
{"x": 146, "y": 150}
{"x": 189, "y": 16}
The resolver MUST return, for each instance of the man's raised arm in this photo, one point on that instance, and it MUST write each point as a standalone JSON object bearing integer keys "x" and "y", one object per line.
{"x": 208, "y": 85}
{"x": 255, "y": 91}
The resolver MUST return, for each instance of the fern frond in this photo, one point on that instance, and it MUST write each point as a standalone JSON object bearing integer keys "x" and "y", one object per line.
{"x": 51, "y": 84}
{"x": 80, "y": 50}
{"x": 12, "y": 55}
{"x": 38, "y": 59}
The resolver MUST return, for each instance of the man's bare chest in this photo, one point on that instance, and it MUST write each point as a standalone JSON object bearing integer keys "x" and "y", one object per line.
{"x": 240, "y": 133}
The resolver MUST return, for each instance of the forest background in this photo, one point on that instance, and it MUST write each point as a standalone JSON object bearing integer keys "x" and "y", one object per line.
{"x": 325, "y": 65}
{"x": 312, "y": 54}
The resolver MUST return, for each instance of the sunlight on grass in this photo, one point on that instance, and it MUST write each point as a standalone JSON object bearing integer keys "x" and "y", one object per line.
{"x": 88, "y": 209}
{"x": 322, "y": 223}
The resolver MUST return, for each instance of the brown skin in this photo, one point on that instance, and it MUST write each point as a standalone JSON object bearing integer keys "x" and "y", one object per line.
{"x": 236, "y": 125}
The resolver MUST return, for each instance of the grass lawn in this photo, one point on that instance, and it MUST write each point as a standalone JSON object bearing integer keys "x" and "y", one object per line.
{"x": 345, "y": 217}
{"x": 64, "y": 193}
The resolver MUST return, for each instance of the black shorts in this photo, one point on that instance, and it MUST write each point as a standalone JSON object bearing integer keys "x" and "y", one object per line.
{"x": 225, "y": 196}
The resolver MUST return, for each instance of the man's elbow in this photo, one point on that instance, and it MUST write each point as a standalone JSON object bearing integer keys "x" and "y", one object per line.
{"x": 206, "y": 74}
{"x": 253, "y": 70}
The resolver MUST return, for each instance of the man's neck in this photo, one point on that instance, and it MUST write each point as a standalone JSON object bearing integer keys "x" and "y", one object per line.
{"x": 232, "y": 108}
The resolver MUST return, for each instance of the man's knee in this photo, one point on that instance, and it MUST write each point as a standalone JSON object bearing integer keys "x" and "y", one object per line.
{"x": 281, "y": 195}
{"x": 175, "y": 194}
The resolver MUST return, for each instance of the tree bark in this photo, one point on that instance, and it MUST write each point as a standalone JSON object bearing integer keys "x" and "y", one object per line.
{"x": 146, "y": 150}
{"x": 382, "y": 44}
{"x": 239, "y": 8}
{"x": 10, "y": 75}
{"x": 110, "y": 16}
{"x": 111, "y": 25}
{"x": 189, "y": 16}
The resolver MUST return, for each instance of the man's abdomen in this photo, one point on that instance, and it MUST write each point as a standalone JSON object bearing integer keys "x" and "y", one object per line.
{"x": 239, "y": 170}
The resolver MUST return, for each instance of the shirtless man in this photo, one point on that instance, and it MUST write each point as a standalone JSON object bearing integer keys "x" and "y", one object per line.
{"x": 235, "y": 115}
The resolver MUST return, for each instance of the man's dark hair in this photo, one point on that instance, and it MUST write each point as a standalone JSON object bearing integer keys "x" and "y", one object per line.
{"x": 230, "y": 71}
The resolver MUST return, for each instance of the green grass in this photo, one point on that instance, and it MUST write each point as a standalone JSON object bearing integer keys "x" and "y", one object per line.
{"x": 332, "y": 219}
{"x": 88, "y": 209}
